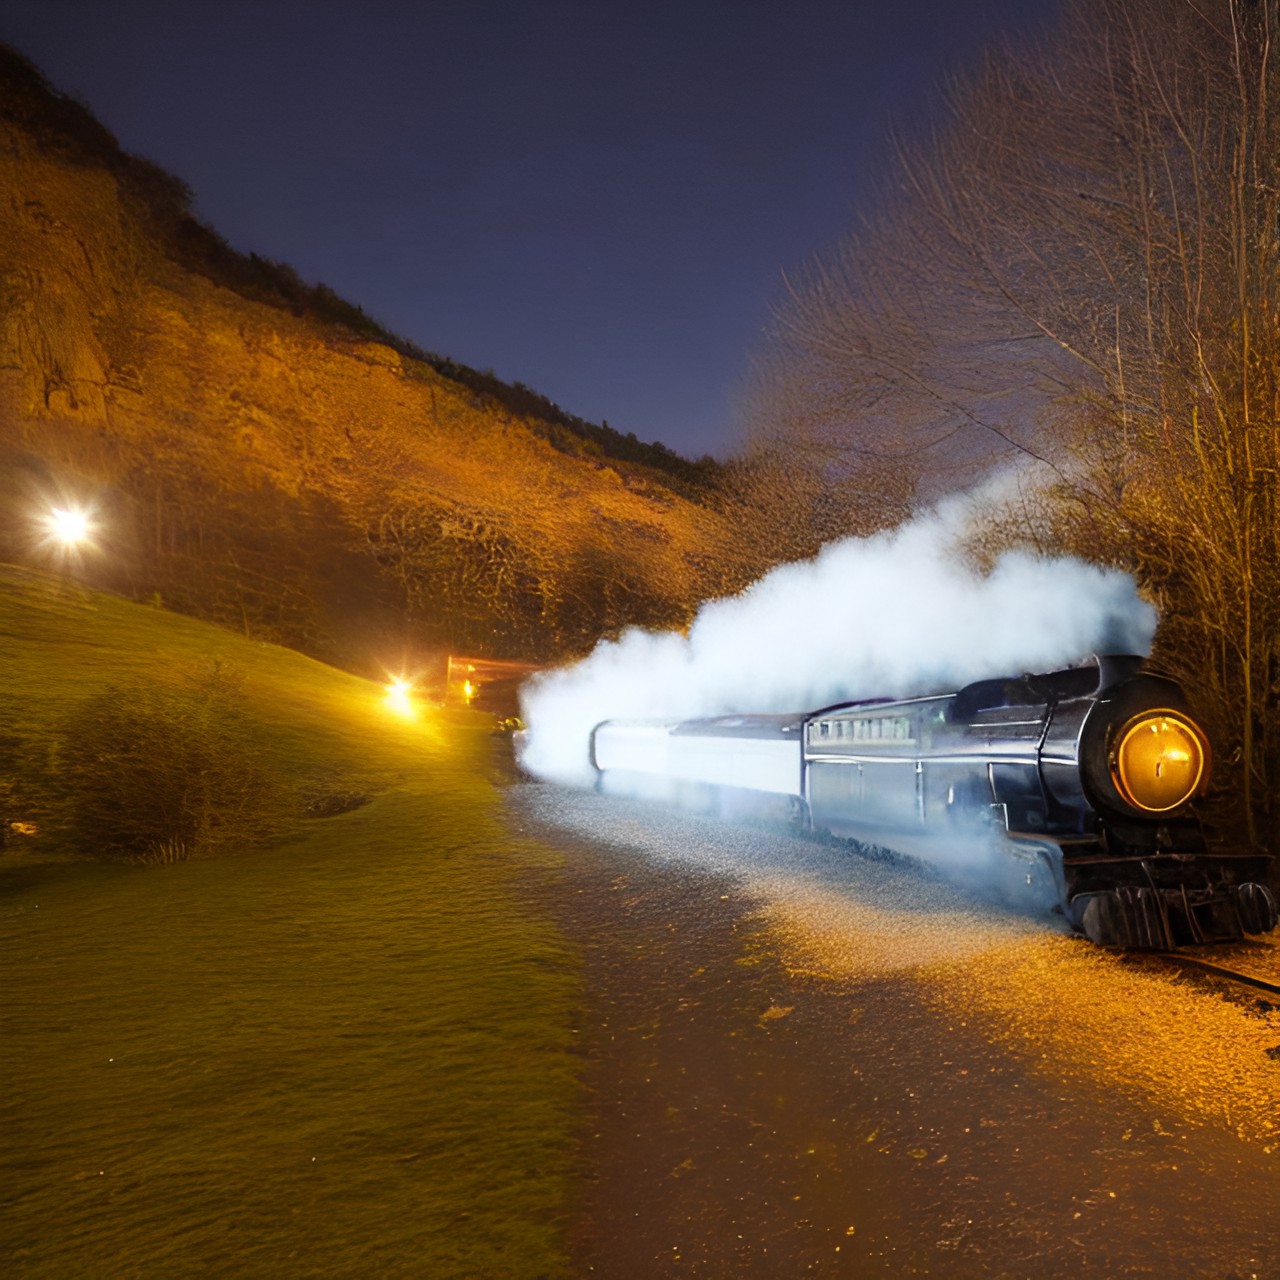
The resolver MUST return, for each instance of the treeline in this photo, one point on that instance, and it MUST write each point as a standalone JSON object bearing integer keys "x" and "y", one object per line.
{"x": 573, "y": 435}
{"x": 1079, "y": 275}
{"x": 67, "y": 129}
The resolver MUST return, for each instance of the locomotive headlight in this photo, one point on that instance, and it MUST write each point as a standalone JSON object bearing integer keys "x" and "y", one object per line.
{"x": 1160, "y": 762}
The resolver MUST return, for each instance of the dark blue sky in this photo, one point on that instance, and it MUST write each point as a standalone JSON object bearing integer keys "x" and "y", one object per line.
{"x": 595, "y": 199}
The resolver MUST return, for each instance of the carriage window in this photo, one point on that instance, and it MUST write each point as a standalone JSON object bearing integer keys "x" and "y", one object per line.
{"x": 877, "y": 729}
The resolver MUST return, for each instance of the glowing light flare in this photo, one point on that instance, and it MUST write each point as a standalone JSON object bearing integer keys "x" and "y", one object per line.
{"x": 67, "y": 528}
{"x": 1161, "y": 762}
{"x": 399, "y": 696}
{"x": 69, "y": 525}
{"x": 468, "y": 690}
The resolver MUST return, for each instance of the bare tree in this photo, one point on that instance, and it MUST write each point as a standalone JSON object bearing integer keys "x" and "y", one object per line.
{"x": 1084, "y": 269}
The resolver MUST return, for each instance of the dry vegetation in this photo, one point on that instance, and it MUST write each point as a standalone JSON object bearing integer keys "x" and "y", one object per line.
{"x": 1081, "y": 274}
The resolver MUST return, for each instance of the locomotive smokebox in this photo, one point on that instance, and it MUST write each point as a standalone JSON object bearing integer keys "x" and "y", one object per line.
{"x": 1142, "y": 754}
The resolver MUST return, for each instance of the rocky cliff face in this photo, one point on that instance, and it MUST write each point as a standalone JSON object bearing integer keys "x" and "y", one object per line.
{"x": 266, "y": 466}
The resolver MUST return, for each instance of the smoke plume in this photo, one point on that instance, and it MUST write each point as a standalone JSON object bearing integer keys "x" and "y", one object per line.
{"x": 898, "y": 614}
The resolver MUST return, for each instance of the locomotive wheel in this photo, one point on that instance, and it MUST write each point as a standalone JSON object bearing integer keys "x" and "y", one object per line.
{"x": 1258, "y": 912}
{"x": 1124, "y": 918}
{"x": 1102, "y": 922}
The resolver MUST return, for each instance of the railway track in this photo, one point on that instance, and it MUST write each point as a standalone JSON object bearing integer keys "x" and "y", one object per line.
{"x": 1250, "y": 980}
{"x": 1253, "y": 982}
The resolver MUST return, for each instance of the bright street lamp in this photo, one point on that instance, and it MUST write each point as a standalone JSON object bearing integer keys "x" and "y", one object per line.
{"x": 400, "y": 696}
{"x": 68, "y": 526}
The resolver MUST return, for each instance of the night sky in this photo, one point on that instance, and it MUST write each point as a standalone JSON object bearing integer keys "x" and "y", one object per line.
{"x": 597, "y": 200}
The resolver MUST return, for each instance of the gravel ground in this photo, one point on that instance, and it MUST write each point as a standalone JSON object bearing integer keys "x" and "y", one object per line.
{"x": 808, "y": 1061}
{"x": 884, "y": 914}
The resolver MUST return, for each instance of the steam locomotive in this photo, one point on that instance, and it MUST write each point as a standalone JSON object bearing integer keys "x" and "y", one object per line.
{"x": 1081, "y": 780}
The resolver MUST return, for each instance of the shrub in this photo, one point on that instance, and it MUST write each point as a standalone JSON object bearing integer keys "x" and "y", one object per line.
{"x": 159, "y": 773}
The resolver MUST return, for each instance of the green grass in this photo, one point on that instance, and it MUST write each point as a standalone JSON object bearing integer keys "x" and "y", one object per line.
{"x": 342, "y": 1054}
{"x": 60, "y": 643}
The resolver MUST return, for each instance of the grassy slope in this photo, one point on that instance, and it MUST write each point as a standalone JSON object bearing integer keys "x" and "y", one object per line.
{"x": 342, "y": 1055}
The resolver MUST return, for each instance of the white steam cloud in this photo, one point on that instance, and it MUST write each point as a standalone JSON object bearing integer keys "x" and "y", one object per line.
{"x": 897, "y": 614}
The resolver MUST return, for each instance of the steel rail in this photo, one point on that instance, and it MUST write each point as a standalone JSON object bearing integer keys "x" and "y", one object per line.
{"x": 1221, "y": 971}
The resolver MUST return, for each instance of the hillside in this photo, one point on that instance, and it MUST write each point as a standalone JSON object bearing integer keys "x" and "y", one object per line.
{"x": 263, "y": 454}
{"x": 345, "y": 1041}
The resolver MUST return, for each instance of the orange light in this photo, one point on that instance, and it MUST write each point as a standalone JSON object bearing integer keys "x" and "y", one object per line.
{"x": 1162, "y": 760}
{"x": 400, "y": 696}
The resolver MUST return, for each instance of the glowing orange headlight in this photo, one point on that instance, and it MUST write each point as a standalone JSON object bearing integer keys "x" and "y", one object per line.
{"x": 1160, "y": 762}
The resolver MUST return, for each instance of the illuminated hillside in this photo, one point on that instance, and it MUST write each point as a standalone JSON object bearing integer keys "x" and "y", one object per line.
{"x": 263, "y": 455}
